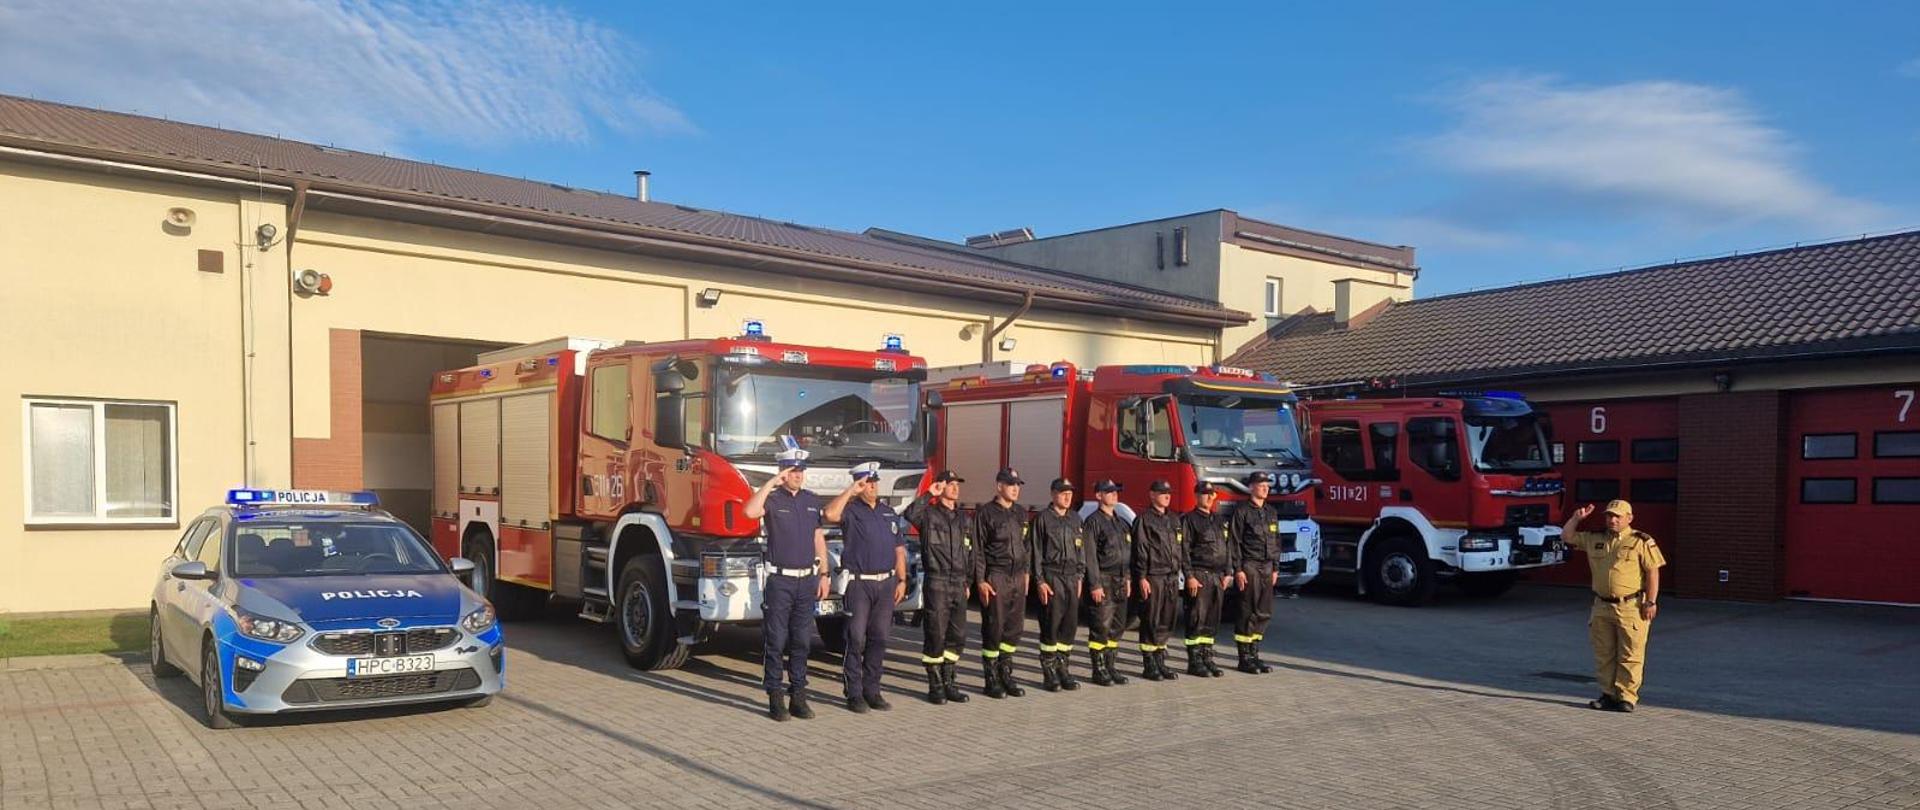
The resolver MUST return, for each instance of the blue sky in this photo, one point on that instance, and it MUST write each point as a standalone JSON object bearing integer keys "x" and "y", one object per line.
{"x": 1508, "y": 142}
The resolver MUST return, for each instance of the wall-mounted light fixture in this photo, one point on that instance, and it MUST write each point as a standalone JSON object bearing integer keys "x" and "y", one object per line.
{"x": 1007, "y": 344}
{"x": 709, "y": 297}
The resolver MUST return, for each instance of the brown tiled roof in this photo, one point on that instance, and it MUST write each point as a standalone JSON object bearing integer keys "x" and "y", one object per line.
{"x": 64, "y": 129}
{"x": 1856, "y": 296}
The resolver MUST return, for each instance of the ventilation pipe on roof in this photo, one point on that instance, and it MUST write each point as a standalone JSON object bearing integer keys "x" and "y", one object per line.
{"x": 1343, "y": 304}
{"x": 640, "y": 184}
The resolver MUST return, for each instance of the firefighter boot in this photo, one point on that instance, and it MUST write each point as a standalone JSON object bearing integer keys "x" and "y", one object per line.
{"x": 1098, "y": 660}
{"x": 1246, "y": 659}
{"x": 1149, "y": 668}
{"x": 936, "y": 689}
{"x": 777, "y": 706}
{"x": 797, "y": 705}
{"x": 1257, "y": 663}
{"x": 1063, "y": 661}
{"x": 1160, "y": 663}
{"x": 991, "y": 668}
{"x": 1007, "y": 682}
{"x": 1206, "y": 657}
{"x": 1049, "y": 675}
{"x": 1197, "y": 661}
{"x": 954, "y": 695}
{"x": 1113, "y": 655}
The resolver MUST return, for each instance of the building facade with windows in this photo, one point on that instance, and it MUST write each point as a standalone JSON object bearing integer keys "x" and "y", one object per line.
{"x": 1758, "y": 410}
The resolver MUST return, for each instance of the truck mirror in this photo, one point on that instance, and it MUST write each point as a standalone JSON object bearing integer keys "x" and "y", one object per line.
{"x": 669, "y": 426}
{"x": 935, "y": 401}
{"x": 687, "y": 369}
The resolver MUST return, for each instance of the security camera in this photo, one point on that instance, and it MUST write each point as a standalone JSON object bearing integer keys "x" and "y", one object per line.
{"x": 312, "y": 282}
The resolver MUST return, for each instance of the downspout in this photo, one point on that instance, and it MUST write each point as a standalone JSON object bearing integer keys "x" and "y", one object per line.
{"x": 293, "y": 226}
{"x": 986, "y": 343}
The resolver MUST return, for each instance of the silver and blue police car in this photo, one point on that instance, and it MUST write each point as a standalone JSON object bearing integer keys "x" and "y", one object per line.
{"x": 299, "y": 600}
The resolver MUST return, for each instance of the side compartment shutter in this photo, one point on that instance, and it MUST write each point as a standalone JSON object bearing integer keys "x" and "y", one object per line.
{"x": 1035, "y": 435}
{"x": 973, "y": 447}
{"x": 480, "y": 447}
{"x": 446, "y": 460}
{"x": 524, "y": 490}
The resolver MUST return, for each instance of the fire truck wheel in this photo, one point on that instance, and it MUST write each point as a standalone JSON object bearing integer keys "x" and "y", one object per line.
{"x": 1399, "y": 573}
{"x": 833, "y": 634}
{"x": 644, "y": 620}
{"x": 1488, "y": 585}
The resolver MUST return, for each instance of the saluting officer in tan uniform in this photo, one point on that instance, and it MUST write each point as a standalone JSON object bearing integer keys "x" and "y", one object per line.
{"x": 1626, "y": 589}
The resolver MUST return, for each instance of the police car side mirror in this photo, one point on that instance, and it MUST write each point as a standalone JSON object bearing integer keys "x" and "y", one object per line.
{"x": 195, "y": 570}
{"x": 462, "y": 567}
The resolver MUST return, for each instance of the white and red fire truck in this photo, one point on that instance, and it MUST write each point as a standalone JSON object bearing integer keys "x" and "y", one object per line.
{"x": 616, "y": 476}
{"x": 1417, "y": 490}
{"x": 1134, "y": 424}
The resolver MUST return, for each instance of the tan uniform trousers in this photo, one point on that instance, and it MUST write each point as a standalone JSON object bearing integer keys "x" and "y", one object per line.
{"x": 1619, "y": 647}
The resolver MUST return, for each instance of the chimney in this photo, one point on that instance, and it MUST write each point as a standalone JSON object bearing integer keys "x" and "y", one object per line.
{"x": 640, "y": 184}
{"x": 1343, "y": 303}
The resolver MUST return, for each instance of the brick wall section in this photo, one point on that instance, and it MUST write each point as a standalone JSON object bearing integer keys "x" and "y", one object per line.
{"x": 1731, "y": 467}
{"x": 336, "y": 463}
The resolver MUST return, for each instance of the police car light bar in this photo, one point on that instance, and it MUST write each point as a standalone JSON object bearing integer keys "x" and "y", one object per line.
{"x": 299, "y": 497}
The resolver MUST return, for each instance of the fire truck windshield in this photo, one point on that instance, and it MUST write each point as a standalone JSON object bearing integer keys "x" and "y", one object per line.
{"x": 1507, "y": 443}
{"x": 840, "y": 416}
{"x": 1242, "y": 428}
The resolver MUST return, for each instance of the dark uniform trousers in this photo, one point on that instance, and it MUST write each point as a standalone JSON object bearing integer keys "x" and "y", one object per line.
{"x": 1110, "y": 614}
{"x": 870, "y": 616}
{"x": 944, "y": 621}
{"x": 1256, "y": 603}
{"x": 1003, "y": 618}
{"x": 787, "y": 630}
{"x": 1203, "y": 609}
{"x": 1159, "y": 611}
{"x": 1060, "y": 616}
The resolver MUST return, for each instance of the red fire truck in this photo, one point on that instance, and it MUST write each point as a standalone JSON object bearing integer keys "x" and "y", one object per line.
{"x": 1133, "y": 424}
{"x": 617, "y": 475}
{"x": 1417, "y": 490}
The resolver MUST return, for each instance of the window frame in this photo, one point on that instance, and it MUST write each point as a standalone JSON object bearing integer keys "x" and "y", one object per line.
{"x": 98, "y": 428}
{"x": 1853, "y": 446}
{"x": 1581, "y": 494}
{"x": 1581, "y": 458}
{"x": 1270, "y": 297}
{"x": 1636, "y": 446}
{"x": 626, "y": 403}
{"x": 1854, "y": 482}
{"x": 1879, "y": 501}
{"x": 1637, "y": 494}
{"x": 1879, "y": 434}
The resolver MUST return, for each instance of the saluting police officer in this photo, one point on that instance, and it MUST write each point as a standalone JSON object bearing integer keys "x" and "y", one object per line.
{"x": 1256, "y": 548}
{"x": 875, "y": 555}
{"x": 1157, "y": 555}
{"x": 1000, "y": 577}
{"x": 1060, "y": 563}
{"x": 1109, "y": 581}
{"x": 1626, "y": 593}
{"x": 946, "y": 564}
{"x": 1209, "y": 568}
{"x": 796, "y": 581}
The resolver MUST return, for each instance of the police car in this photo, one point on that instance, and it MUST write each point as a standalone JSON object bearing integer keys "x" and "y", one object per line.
{"x": 298, "y": 600}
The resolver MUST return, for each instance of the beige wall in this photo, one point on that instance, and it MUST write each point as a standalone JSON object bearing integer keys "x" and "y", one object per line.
{"x": 102, "y": 302}
{"x": 1303, "y": 283}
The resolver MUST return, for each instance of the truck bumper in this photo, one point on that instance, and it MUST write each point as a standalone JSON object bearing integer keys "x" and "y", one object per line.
{"x": 1535, "y": 547}
{"x": 1301, "y": 565}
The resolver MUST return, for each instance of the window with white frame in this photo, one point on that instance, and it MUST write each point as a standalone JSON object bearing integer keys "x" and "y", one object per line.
{"x": 1272, "y": 306}
{"x": 99, "y": 461}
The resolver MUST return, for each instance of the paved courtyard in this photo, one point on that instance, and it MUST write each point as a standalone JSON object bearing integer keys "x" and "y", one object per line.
{"x": 1462, "y": 704}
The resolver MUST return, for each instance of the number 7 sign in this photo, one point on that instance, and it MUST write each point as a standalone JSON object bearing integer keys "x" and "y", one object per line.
{"x": 1905, "y": 395}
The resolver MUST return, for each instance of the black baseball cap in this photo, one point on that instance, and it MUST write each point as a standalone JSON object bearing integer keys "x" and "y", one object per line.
{"x": 1061, "y": 485}
{"x": 1008, "y": 476}
{"x": 1107, "y": 485}
{"x": 1160, "y": 486}
{"x": 1204, "y": 487}
{"x": 948, "y": 475}
{"x": 1259, "y": 478}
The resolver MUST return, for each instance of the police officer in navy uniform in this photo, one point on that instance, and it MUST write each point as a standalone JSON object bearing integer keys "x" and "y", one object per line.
{"x": 946, "y": 563}
{"x": 1256, "y": 548}
{"x": 875, "y": 556}
{"x": 1109, "y": 581}
{"x": 1209, "y": 569}
{"x": 796, "y": 581}
{"x": 1000, "y": 577}
{"x": 1157, "y": 556}
{"x": 1060, "y": 563}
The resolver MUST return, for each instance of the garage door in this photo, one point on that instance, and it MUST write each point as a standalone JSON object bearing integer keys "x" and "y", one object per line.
{"x": 1853, "y": 494}
{"x": 1619, "y": 449}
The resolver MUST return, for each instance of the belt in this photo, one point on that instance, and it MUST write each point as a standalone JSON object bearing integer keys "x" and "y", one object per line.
{"x": 795, "y": 572}
{"x": 880, "y": 577}
{"x": 1060, "y": 572}
{"x": 1613, "y": 601}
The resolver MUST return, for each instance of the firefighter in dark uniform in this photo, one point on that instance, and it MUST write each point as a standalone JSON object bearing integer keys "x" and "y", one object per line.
{"x": 796, "y": 581}
{"x": 875, "y": 556}
{"x": 1060, "y": 563}
{"x": 1000, "y": 577}
{"x": 1209, "y": 569}
{"x": 1157, "y": 555}
{"x": 946, "y": 563}
{"x": 1256, "y": 549}
{"x": 1109, "y": 581}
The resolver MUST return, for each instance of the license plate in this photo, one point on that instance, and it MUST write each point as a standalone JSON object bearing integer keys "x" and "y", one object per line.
{"x": 826, "y": 607}
{"x": 363, "y": 667}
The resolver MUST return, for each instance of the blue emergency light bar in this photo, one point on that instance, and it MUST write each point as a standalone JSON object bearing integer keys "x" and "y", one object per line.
{"x": 299, "y": 497}
{"x": 754, "y": 329}
{"x": 894, "y": 344}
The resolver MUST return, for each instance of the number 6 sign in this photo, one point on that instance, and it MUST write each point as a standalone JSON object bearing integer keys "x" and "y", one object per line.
{"x": 1597, "y": 420}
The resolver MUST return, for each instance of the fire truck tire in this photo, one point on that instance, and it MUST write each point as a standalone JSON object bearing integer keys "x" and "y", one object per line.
{"x": 644, "y": 620}
{"x": 1399, "y": 572}
{"x": 1488, "y": 585}
{"x": 833, "y": 634}
{"x": 510, "y": 602}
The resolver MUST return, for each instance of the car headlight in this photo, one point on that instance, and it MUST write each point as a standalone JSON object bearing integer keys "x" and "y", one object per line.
{"x": 265, "y": 628}
{"x": 480, "y": 620}
{"x": 1479, "y": 543}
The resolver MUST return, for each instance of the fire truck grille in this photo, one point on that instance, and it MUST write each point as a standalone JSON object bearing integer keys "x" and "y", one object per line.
{"x": 1291, "y": 510}
{"x": 367, "y": 642}
{"x": 330, "y": 690}
{"x": 1289, "y": 542}
{"x": 1534, "y": 515}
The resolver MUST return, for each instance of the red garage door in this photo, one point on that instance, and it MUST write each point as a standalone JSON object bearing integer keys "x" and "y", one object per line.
{"x": 1618, "y": 449}
{"x": 1853, "y": 494}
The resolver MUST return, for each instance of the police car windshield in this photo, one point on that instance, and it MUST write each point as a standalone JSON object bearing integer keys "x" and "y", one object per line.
{"x": 1242, "y": 427}
{"x": 1507, "y": 443}
{"x": 846, "y": 417}
{"x": 328, "y": 548}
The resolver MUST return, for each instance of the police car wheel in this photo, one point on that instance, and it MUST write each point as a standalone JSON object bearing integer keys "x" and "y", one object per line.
{"x": 213, "y": 689}
{"x": 156, "y": 648}
{"x": 1399, "y": 573}
{"x": 644, "y": 620}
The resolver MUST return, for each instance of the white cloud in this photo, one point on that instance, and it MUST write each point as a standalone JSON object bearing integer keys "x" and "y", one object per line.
{"x": 367, "y": 74}
{"x": 1669, "y": 147}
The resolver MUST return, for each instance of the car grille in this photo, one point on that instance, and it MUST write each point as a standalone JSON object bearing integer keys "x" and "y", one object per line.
{"x": 1531, "y": 515}
{"x": 362, "y": 642}
{"x": 331, "y": 690}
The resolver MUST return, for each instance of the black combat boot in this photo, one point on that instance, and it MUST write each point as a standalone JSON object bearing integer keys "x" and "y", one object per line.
{"x": 776, "y": 706}
{"x": 954, "y": 695}
{"x": 1149, "y": 668}
{"x": 1160, "y": 663}
{"x": 1007, "y": 682}
{"x": 1049, "y": 676}
{"x": 936, "y": 689}
{"x": 1098, "y": 660}
{"x": 1197, "y": 661}
{"x": 990, "y": 667}
{"x": 797, "y": 705}
{"x": 1206, "y": 657}
{"x": 1246, "y": 659}
{"x": 1063, "y": 661}
{"x": 1113, "y": 672}
{"x": 1257, "y": 663}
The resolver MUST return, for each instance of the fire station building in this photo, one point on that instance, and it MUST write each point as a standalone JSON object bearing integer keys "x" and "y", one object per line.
{"x": 1758, "y": 410}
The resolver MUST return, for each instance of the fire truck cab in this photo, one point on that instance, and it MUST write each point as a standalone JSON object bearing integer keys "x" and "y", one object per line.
{"x": 616, "y": 476}
{"x": 1422, "y": 489}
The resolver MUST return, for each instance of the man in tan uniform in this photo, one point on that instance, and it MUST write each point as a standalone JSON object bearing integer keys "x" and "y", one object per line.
{"x": 1626, "y": 589}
